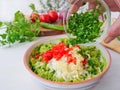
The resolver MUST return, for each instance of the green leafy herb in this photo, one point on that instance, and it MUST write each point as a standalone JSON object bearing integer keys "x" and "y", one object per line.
{"x": 84, "y": 26}
{"x": 20, "y": 30}
{"x": 1, "y": 24}
{"x": 32, "y": 6}
{"x": 96, "y": 59}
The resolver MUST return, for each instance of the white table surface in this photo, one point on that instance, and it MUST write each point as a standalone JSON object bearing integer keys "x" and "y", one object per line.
{"x": 13, "y": 75}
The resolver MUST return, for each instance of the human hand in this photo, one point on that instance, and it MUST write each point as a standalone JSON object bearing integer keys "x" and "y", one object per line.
{"x": 114, "y": 31}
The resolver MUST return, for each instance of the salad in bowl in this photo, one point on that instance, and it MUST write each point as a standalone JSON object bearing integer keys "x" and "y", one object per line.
{"x": 59, "y": 64}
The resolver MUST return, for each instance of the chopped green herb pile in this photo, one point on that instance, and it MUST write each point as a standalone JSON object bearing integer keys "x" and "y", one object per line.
{"x": 20, "y": 30}
{"x": 85, "y": 26}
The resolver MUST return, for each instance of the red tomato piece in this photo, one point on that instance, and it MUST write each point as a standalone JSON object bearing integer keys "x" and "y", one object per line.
{"x": 58, "y": 56}
{"x": 47, "y": 56}
{"x": 37, "y": 56}
{"x": 53, "y": 15}
{"x": 85, "y": 61}
{"x": 59, "y": 50}
{"x": 74, "y": 61}
{"x": 69, "y": 58}
{"x": 44, "y": 18}
{"x": 34, "y": 16}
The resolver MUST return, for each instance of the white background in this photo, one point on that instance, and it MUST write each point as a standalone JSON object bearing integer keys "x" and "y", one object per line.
{"x": 13, "y": 75}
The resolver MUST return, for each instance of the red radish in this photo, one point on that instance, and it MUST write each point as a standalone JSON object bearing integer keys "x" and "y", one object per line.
{"x": 34, "y": 16}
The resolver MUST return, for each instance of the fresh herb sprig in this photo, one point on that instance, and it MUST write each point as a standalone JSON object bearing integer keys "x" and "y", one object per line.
{"x": 33, "y": 8}
{"x": 19, "y": 30}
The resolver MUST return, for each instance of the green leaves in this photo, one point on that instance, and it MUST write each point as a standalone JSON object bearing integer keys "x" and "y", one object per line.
{"x": 20, "y": 30}
{"x": 19, "y": 17}
{"x": 96, "y": 60}
{"x": 1, "y": 24}
{"x": 85, "y": 26}
{"x": 32, "y": 6}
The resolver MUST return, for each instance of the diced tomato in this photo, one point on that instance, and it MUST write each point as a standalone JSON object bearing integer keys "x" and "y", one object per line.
{"x": 69, "y": 61}
{"x": 58, "y": 56}
{"x": 47, "y": 56}
{"x": 69, "y": 58}
{"x": 74, "y": 61}
{"x": 59, "y": 50}
{"x": 85, "y": 61}
{"x": 37, "y": 56}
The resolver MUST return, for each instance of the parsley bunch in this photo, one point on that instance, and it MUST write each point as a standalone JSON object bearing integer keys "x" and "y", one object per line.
{"x": 19, "y": 30}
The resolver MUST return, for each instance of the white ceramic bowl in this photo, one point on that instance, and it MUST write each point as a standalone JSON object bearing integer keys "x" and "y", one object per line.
{"x": 51, "y": 85}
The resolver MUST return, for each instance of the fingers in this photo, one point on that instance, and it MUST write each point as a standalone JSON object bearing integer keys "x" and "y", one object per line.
{"x": 114, "y": 31}
{"x": 76, "y": 4}
{"x": 74, "y": 8}
{"x": 113, "y": 5}
{"x": 92, "y": 4}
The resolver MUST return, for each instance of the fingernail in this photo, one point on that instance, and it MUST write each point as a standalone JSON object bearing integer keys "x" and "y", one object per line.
{"x": 108, "y": 39}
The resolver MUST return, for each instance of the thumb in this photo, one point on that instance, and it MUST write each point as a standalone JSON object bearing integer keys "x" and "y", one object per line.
{"x": 114, "y": 31}
{"x": 71, "y": 1}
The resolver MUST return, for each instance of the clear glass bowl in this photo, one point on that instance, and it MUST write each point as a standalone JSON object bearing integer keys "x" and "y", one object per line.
{"x": 104, "y": 17}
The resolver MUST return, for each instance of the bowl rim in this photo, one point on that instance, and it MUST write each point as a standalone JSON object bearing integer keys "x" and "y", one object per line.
{"x": 63, "y": 83}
